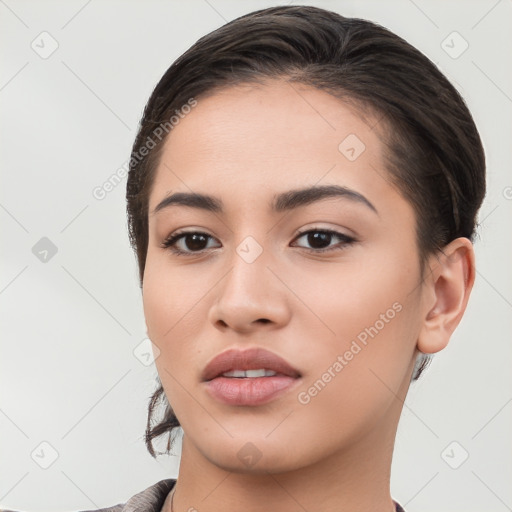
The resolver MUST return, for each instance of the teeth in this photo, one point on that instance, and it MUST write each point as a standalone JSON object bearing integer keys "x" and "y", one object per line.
{"x": 249, "y": 373}
{"x": 235, "y": 373}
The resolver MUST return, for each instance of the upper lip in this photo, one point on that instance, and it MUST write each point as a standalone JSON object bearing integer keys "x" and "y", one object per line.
{"x": 249, "y": 359}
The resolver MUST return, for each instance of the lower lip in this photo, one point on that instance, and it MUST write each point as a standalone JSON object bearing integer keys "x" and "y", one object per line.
{"x": 249, "y": 391}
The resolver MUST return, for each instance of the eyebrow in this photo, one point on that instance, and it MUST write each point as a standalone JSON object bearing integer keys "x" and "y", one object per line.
{"x": 284, "y": 201}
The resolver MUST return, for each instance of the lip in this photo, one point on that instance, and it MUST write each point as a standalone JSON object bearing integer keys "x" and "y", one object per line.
{"x": 249, "y": 359}
{"x": 248, "y": 391}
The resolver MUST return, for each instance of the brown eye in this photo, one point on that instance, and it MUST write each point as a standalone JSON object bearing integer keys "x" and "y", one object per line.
{"x": 187, "y": 242}
{"x": 320, "y": 240}
{"x": 195, "y": 242}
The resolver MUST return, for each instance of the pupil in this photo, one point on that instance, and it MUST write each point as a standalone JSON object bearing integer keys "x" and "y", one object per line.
{"x": 197, "y": 242}
{"x": 319, "y": 240}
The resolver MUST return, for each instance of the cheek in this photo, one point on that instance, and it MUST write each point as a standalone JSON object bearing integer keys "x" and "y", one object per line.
{"x": 362, "y": 300}
{"x": 174, "y": 299}
{"x": 169, "y": 296}
{"x": 362, "y": 354}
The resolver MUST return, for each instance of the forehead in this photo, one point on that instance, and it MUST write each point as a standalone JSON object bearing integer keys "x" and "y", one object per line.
{"x": 274, "y": 136}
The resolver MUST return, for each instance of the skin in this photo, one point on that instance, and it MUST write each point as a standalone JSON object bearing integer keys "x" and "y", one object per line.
{"x": 244, "y": 145}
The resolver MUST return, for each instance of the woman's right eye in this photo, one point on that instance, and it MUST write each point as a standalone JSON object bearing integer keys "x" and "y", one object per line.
{"x": 187, "y": 242}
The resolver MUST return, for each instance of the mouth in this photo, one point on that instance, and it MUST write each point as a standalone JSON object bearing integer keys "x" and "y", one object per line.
{"x": 249, "y": 377}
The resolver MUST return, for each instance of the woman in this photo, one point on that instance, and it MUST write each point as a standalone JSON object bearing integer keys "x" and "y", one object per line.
{"x": 302, "y": 199}
{"x": 303, "y": 224}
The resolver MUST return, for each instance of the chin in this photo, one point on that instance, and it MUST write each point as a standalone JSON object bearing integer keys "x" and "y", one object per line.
{"x": 255, "y": 455}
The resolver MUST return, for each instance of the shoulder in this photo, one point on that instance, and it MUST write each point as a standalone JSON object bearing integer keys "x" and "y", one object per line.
{"x": 150, "y": 499}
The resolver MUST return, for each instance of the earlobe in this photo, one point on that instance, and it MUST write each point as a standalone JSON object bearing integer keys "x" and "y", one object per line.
{"x": 452, "y": 274}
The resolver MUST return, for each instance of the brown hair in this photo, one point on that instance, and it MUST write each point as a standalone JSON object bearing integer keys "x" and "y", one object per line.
{"x": 435, "y": 155}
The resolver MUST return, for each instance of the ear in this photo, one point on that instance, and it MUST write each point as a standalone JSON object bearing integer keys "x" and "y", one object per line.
{"x": 448, "y": 286}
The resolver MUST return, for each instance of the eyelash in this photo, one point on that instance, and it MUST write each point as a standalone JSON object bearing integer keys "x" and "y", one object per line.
{"x": 170, "y": 241}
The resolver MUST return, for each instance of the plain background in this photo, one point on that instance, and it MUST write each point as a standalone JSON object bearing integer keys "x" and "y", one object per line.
{"x": 72, "y": 326}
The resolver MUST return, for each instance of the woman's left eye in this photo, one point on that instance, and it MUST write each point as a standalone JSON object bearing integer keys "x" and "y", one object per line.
{"x": 195, "y": 242}
{"x": 190, "y": 240}
{"x": 320, "y": 240}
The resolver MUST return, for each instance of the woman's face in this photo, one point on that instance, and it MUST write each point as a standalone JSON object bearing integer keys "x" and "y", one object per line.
{"x": 342, "y": 305}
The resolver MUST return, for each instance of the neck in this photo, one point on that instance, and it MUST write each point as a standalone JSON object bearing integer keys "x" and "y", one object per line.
{"x": 356, "y": 479}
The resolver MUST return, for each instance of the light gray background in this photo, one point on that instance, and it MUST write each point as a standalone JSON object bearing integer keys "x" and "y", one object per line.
{"x": 68, "y": 373}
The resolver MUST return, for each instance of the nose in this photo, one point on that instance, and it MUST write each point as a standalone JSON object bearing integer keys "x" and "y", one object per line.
{"x": 250, "y": 297}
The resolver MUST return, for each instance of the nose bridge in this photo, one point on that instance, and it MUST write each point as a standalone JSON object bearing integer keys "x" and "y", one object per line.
{"x": 249, "y": 291}
{"x": 249, "y": 274}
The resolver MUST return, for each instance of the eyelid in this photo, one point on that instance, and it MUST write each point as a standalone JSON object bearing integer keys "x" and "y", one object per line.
{"x": 334, "y": 230}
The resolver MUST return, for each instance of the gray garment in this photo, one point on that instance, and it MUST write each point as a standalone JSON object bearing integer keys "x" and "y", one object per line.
{"x": 151, "y": 500}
